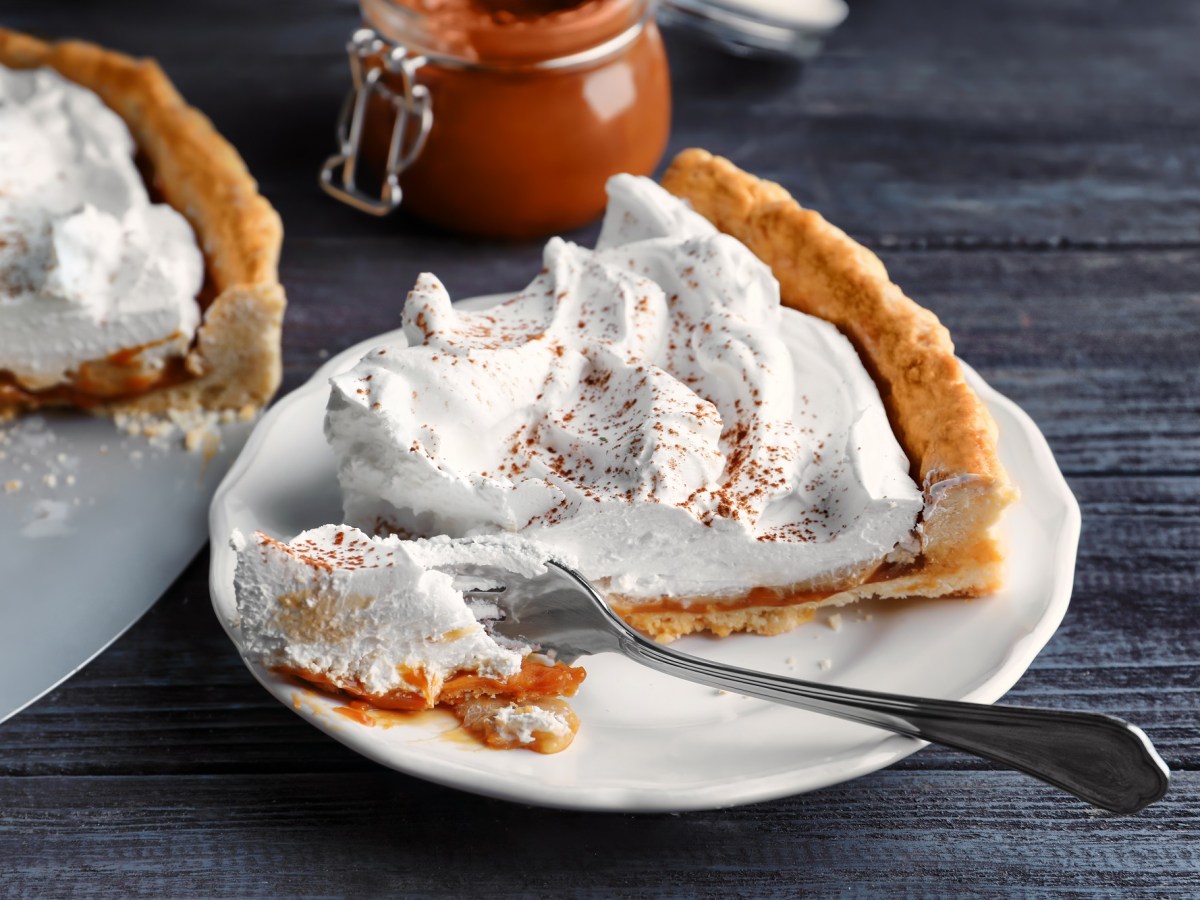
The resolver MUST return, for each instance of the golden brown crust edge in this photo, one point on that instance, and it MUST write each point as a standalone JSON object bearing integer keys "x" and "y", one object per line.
{"x": 236, "y": 354}
{"x": 939, "y": 420}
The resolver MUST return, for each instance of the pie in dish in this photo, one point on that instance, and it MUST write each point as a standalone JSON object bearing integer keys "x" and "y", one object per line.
{"x": 107, "y": 300}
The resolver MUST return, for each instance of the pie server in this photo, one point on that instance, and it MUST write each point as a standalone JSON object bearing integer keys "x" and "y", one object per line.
{"x": 95, "y": 524}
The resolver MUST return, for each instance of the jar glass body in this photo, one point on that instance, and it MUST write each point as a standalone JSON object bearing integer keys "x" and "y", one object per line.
{"x": 521, "y": 144}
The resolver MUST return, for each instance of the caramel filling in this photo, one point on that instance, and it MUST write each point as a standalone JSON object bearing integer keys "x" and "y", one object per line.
{"x": 469, "y": 696}
{"x": 535, "y": 681}
{"x": 758, "y": 597}
{"x": 120, "y": 376}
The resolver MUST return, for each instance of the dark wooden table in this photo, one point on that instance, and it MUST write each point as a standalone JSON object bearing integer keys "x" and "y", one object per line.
{"x": 1029, "y": 170}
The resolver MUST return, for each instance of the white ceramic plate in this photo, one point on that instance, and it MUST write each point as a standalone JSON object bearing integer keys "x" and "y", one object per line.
{"x": 653, "y": 743}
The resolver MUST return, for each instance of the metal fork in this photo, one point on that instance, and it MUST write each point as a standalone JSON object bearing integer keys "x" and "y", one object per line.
{"x": 1100, "y": 759}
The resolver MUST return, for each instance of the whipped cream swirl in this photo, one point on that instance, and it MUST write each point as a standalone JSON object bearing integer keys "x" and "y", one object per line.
{"x": 88, "y": 265}
{"x": 646, "y": 408}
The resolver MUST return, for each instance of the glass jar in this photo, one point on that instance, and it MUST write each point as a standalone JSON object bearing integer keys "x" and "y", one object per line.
{"x": 500, "y": 117}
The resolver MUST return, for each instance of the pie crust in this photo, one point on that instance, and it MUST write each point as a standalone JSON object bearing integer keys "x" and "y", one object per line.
{"x": 941, "y": 423}
{"x": 234, "y": 362}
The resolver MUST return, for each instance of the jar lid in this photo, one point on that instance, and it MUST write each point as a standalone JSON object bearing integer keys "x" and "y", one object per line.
{"x": 793, "y": 28}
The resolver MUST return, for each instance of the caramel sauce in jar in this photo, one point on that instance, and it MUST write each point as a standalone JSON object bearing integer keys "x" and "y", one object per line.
{"x": 533, "y": 105}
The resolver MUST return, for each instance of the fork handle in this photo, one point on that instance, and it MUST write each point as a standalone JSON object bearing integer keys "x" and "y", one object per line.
{"x": 1100, "y": 759}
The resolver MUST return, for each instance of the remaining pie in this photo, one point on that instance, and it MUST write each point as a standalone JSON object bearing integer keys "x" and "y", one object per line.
{"x": 109, "y": 300}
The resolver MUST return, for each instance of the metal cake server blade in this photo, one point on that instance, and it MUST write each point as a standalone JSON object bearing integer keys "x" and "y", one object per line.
{"x": 96, "y": 525}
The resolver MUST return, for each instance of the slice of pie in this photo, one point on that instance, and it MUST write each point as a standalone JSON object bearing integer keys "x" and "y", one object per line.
{"x": 712, "y": 460}
{"x": 127, "y": 290}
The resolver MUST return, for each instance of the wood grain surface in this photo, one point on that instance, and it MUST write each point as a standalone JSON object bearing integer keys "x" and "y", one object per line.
{"x": 1028, "y": 170}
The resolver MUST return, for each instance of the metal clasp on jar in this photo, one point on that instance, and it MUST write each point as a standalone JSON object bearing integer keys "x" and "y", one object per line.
{"x": 339, "y": 175}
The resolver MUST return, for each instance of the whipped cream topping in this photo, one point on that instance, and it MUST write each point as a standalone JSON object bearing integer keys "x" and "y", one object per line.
{"x": 646, "y": 408}
{"x": 88, "y": 265}
{"x": 362, "y": 611}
